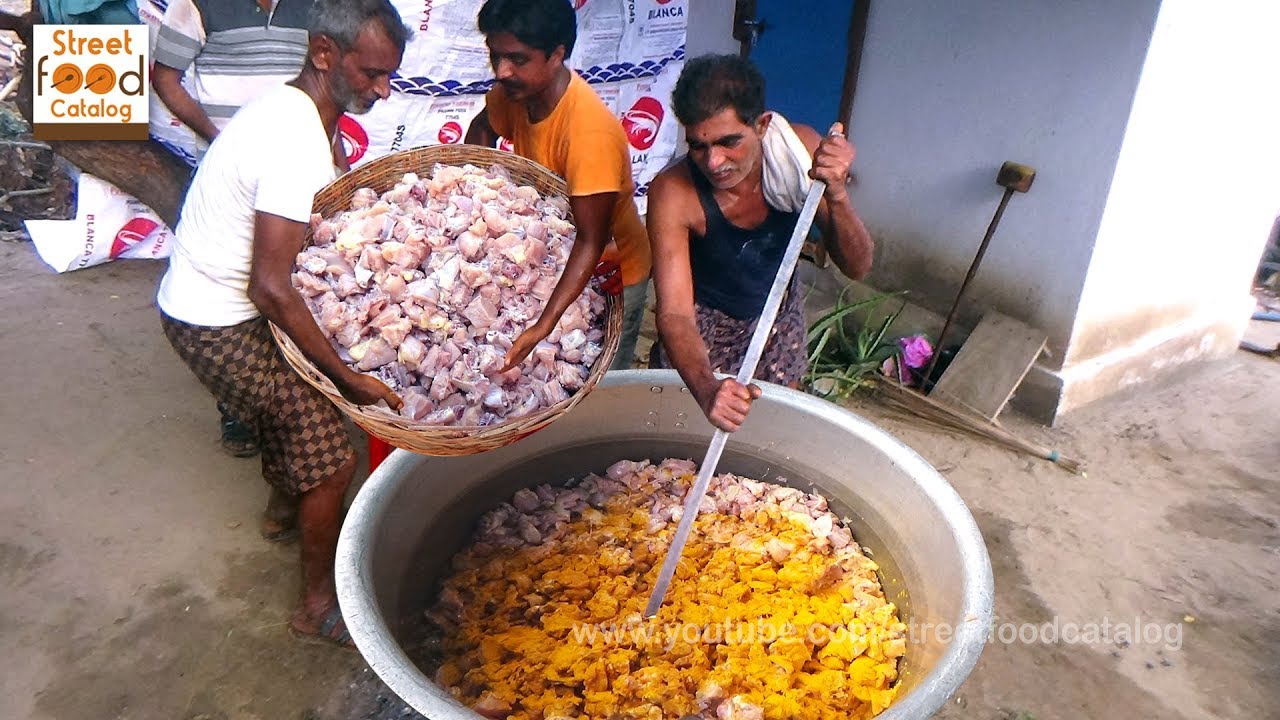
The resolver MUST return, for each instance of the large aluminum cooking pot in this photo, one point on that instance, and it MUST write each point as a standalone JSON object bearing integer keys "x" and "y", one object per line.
{"x": 415, "y": 512}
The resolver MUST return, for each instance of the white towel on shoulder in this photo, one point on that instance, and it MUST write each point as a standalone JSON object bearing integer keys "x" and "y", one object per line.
{"x": 786, "y": 166}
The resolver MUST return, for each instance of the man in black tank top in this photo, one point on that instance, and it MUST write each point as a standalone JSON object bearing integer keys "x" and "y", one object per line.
{"x": 717, "y": 242}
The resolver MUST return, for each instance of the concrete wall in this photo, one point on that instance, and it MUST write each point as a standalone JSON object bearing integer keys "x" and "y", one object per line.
{"x": 710, "y": 29}
{"x": 947, "y": 93}
{"x": 1195, "y": 193}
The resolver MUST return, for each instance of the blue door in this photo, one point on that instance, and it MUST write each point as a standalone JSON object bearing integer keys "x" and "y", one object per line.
{"x": 802, "y": 47}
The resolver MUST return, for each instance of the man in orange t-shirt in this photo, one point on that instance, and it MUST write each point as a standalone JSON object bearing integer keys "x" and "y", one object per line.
{"x": 554, "y": 118}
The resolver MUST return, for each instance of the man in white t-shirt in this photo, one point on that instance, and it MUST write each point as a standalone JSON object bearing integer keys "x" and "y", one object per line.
{"x": 230, "y": 52}
{"x": 241, "y": 229}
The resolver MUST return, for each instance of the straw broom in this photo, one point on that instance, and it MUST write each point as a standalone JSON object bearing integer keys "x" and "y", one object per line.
{"x": 905, "y": 401}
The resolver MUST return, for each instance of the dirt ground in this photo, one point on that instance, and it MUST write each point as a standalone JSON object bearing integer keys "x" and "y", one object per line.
{"x": 136, "y": 585}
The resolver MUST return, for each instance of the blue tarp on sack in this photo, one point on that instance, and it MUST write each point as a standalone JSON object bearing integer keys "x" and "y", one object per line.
{"x": 89, "y": 12}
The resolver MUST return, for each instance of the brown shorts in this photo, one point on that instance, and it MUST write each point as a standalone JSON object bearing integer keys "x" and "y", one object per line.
{"x": 303, "y": 437}
{"x": 784, "y": 361}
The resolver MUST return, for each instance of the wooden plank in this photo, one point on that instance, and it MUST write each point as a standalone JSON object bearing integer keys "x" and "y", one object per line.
{"x": 990, "y": 365}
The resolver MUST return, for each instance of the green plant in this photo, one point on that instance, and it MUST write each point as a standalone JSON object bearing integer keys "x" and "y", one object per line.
{"x": 840, "y": 359}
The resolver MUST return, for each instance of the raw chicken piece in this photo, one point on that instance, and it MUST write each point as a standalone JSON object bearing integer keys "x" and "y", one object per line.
{"x": 447, "y": 415}
{"x": 529, "y": 404}
{"x": 423, "y": 292}
{"x": 363, "y": 198}
{"x": 543, "y": 286}
{"x": 495, "y": 398}
{"x": 570, "y": 377}
{"x": 464, "y": 378}
{"x": 471, "y": 245}
{"x": 475, "y": 275}
{"x": 396, "y": 332}
{"x": 323, "y": 231}
{"x": 412, "y": 352}
{"x": 409, "y": 254}
{"x": 435, "y": 361}
{"x": 346, "y": 286}
{"x": 372, "y": 354}
{"x": 310, "y": 285}
{"x": 572, "y": 340}
{"x": 544, "y": 353}
{"x": 737, "y": 708}
{"x": 487, "y": 360}
{"x": 334, "y": 315}
{"x": 393, "y": 285}
{"x": 349, "y": 334}
{"x": 481, "y": 312}
{"x": 441, "y": 386}
{"x": 550, "y": 392}
{"x": 510, "y": 377}
{"x": 386, "y": 314}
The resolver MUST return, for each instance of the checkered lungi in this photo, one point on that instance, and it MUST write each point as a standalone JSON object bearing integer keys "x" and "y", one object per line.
{"x": 302, "y": 435}
{"x": 784, "y": 361}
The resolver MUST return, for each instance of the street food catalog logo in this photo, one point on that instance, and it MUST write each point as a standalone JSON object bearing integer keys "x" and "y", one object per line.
{"x": 90, "y": 82}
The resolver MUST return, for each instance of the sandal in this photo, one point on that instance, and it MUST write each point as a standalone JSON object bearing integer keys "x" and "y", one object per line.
{"x": 238, "y": 440}
{"x": 333, "y": 631}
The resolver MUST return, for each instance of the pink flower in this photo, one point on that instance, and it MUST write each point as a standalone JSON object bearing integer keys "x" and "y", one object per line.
{"x": 916, "y": 351}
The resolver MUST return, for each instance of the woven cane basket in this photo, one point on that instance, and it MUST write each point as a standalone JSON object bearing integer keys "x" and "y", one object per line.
{"x": 402, "y": 432}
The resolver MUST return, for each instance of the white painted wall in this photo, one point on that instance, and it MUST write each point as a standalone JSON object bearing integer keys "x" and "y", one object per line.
{"x": 1195, "y": 193}
{"x": 710, "y": 29}
{"x": 947, "y": 92}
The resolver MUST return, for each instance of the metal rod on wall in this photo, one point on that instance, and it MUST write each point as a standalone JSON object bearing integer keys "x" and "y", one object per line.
{"x": 857, "y": 40}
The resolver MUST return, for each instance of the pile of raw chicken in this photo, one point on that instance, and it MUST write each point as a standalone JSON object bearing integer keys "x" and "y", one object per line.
{"x": 427, "y": 286}
{"x": 775, "y": 611}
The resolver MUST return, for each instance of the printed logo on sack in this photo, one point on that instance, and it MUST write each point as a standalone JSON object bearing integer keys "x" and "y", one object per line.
{"x": 355, "y": 141}
{"x": 666, "y": 12}
{"x": 642, "y": 122}
{"x": 91, "y": 82}
{"x": 450, "y": 133}
{"x": 133, "y": 232}
{"x": 506, "y": 145}
{"x": 578, "y": 4}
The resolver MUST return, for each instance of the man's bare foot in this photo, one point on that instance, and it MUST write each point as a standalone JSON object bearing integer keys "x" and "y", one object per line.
{"x": 327, "y": 628}
{"x": 280, "y": 519}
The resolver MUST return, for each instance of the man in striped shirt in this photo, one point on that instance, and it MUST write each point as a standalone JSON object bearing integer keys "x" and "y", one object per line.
{"x": 237, "y": 48}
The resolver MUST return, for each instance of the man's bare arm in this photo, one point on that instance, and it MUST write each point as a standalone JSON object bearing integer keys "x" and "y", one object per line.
{"x": 276, "y": 242}
{"x": 340, "y": 160}
{"x": 724, "y": 402}
{"x": 843, "y": 233}
{"x": 481, "y": 132}
{"x": 167, "y": 82}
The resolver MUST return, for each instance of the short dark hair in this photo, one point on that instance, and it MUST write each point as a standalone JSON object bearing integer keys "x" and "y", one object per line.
{"x": 341, "y": 20}
{"x": 541, "y": 24}
{"x": 710, "y": 83}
